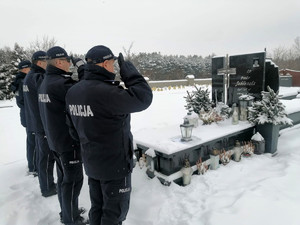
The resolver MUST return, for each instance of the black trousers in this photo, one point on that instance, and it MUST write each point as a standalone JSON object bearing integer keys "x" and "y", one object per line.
{"x": 69, "y": 183}
{"x": 109, "y": 200}
{"x": 45, "y": 163}
{"x": 31, "y": 151}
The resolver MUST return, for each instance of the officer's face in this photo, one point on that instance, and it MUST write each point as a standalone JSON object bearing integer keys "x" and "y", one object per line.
{"x": 25, "y": 70}
{"x": 109, "y": 65}
{"x": 64, "y": 64}
{"x": 42, "y": 63}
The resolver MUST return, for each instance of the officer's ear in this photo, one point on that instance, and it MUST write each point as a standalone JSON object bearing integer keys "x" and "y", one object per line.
{"x": 57, "y": 62}
{"x": 105, "y": 63}
{"x": 100, "y": 64}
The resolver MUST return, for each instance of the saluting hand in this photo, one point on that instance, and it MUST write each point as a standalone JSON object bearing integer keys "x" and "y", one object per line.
{"x": 77, "y": 62}
{"x": 120, "y": 60}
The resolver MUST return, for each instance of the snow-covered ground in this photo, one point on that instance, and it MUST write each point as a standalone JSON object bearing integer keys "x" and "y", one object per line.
{"x": 258, "y": 190}
{"x": 288, "y": 91}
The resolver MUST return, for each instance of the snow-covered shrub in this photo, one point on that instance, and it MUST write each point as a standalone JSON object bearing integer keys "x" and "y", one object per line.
{"x": 269, "y": 110}
{"x": 224, "y": 110}
{"x": 198, "y": 100}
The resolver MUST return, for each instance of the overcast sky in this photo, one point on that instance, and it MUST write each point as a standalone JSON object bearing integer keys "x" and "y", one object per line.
{"x": 184, "y": 27}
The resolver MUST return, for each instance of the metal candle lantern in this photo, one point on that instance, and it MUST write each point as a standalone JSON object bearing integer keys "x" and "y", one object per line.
{"x": 244, "y": 102}
{"x": 186, "y": 130}
{"x": 243, "y": 110}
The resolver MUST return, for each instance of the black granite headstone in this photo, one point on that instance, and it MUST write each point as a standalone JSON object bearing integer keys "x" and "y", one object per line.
{"x": 272, "y": 76}
{"x": 249, "y": 78}
{"x": 253, "y": 73}
{"x": 217, "y": 80}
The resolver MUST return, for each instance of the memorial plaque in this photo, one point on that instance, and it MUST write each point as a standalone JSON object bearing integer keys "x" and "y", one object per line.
{"x": 217, "y": 80}
{"x": 249, "y": 78}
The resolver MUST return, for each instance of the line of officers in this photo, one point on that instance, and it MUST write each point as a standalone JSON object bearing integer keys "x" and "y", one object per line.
{"x": 86, "y": 122}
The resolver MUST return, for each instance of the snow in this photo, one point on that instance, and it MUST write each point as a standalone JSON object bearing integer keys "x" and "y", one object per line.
{"x": 288, "y": 91}
{"x": 258, "y": 190}
{"x": 190, "y": 77}
{"x": 291, "y": 70}
{"x": 150, "y": 152}
{"x": 167, "y": 139}
{"x": 246, "y": 97}
{"x": 272, "y": 63}
{"x": 257, "y": 137}
{"x": 174, "y": 81}
{"x": 292, "y": 105}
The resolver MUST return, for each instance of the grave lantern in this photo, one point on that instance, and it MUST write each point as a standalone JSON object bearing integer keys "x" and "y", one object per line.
{"x": 187, "y": 172}
{"x": 151, "y": 160}
{"x": 235, "y": 115}
{"x": 237, "y": 151}
{"x": 186, "y": 130}
{"x": 259, "y": 143}
{"x": 245, "y": 101}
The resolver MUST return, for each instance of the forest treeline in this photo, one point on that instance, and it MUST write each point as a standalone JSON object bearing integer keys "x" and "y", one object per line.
{"x": 154, "y": 65}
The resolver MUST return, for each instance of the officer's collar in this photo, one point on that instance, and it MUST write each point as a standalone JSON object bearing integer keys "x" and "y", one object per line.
{"x": 94, "y": 72}
{"x": 37, "y": 69}
{"x": 20, "y": 75}
{"x": 56, "y": 71}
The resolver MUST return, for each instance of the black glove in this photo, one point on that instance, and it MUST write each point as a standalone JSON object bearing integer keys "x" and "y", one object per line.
{"x": 120, "y": 60}
{"x": 77, "y": 62}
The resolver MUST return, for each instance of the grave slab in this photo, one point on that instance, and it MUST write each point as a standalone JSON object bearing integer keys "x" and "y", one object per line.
{"x": 171, "y": 152}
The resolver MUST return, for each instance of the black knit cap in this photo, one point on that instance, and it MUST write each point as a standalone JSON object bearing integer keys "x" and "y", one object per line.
{"x": 99, "y": 54}
{"x": 57, "y": 52}
{"x": 24, "y": 64}
{"x": 39, "y": 55}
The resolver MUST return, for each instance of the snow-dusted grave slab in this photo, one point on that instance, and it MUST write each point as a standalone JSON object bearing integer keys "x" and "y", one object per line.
{"x": 170, "y": 151}
{"x": 288, "y": 92}
{"x": 292, "y": 108}
{"x": 167, "y": 140}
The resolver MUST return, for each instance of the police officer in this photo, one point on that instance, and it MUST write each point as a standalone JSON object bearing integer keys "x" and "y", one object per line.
{"x": 66, "y": 151}
{"x": 45, "y": 160}
{"x": 17, "y": 88}
{"x": 100, "y": 110}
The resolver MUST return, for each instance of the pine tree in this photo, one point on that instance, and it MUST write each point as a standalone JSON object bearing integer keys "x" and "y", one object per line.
{"x": 8, "y": 69}
{"x": 6, "y": 78}
{"x": 269, "y": 110}
{"x": 2, "y": 83}
{"x": 189, "y": 101}
{"x": 198, "y": 100}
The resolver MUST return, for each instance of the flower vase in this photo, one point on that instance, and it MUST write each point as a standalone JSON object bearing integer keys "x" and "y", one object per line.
{"x": 270, "y": 133}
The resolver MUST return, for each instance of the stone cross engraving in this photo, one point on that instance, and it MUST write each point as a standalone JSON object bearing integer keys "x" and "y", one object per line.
{"x": 226, "y": 72}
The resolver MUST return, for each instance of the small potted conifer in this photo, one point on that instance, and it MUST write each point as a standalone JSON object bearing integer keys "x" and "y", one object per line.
{"x": 268, "y": 114}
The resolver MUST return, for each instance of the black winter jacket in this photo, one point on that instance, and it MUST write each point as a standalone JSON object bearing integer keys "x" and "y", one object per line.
{"x": 31, "y": 83}
{"x": 17, "y": 87}
{"x": 100, "y": 110}
{"x": 52, "y": 92}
